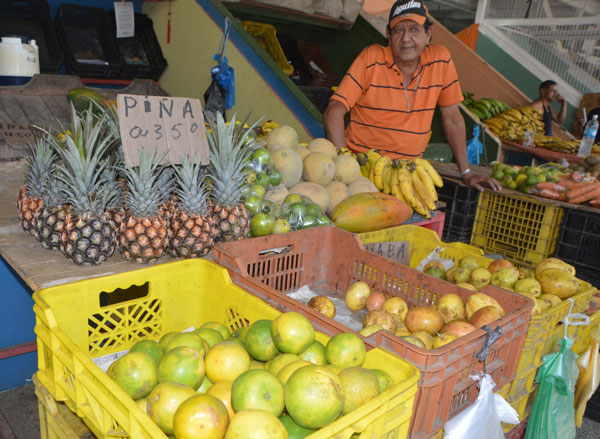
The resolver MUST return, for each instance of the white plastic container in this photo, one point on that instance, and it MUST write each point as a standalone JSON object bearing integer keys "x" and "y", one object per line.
{"x": 18, "y": 61}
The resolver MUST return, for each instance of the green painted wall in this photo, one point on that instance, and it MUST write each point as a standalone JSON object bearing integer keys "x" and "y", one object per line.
{"x": 517, "y": 74}
{"x": 195, "y": 39}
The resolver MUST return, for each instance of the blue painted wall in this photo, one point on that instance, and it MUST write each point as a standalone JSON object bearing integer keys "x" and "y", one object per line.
{"x": 17, "y": 321}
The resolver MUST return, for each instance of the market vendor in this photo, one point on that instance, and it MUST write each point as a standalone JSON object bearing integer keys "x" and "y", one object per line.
{"x": 391, "y": 93}
{"x": 548, "y": 94}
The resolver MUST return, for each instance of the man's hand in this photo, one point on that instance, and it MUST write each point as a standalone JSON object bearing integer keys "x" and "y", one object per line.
{"x": 560, "y": 98}
{"x": 480, "y": 182}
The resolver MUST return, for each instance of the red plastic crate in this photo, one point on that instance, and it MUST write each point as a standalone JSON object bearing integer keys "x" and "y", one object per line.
{"x": 329, "y": 260}
{"x": 318, "y": 66}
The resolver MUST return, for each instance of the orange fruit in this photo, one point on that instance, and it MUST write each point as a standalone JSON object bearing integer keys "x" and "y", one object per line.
{"x": 163, "y": 402}
{"x": 222, "y": 391}
{"x": 259, "y": 342}
{"x": 360, "y": 386}
{"x": 226, "y": 361}
{"x": 240, "y": 333}
{"x": 135, "y": 373}
{"x": 277, "y": 363}
{"x": 294, "y": 430}
{"x": 201, "y": 417}
{"x": 292, "y": 333}
{"x": 255, "y": 424}
{"x": 212, "y": 336}
{"x": 257, "y": 365}
{"x": 286, "y": 372}
{"x": 385, "y": 380}
{"x": 224, "y": 330}
{"x": 182, "y": 365}
{"x": 166, "y": 338}
{"x": 314, "y": 396}
{"x": 187, "y": 339}
{"x": 257, "y": 389}
{"x": 150, "y": 347}
{"x": 315, "y": 353}
{"x": 345, "y": 350}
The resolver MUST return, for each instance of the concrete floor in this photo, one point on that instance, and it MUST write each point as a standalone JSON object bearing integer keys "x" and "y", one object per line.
{"x": 19, "y": 417}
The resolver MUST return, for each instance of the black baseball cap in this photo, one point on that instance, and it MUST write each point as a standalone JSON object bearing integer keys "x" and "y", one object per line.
{"x": 408, "y": 10}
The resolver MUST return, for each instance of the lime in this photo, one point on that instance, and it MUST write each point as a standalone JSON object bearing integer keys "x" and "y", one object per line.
{"x": 542, "y": 178}
{"x": 258, "y": 190}
{"x": 292, "y": 198}
{"x": 263, "y": 179}
{"x": 507, "y": 180}
{"x": 274, "y": 176}
{"x": 322, "y": 220}
{"x": 313, "y": 209}
{"x": 512, "y": 185}
{"x": 532, "y": 180}
{"x": 309, "y": 221}
{"x": 281, "y": 226}
{"x": 252, "y": 204}
{"x": 498, "y": 175}
{"x": 262, "y": 224}
{"x": 530, "y": 171}
{"x": 521, "y": 180}
{"x": 260, "y": 158}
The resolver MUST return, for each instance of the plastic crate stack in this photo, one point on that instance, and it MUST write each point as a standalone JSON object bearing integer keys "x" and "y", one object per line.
{"x": 461, "y": 209}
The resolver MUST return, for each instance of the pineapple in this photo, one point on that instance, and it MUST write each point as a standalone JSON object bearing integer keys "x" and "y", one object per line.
{"x": 49, "y": 220}
{"x": 166, "y": 186}
{"x": 143, "y": 232}
{"x": 227, "y": 173}
{"x": 88, "y": 237}
{"x": 191, "y": 228}
{"x": 29, "y": 199}
{"x": 115, "y": 210}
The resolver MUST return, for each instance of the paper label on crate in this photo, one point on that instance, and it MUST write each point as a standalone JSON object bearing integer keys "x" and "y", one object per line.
{"x": 105, "y": 361}
{"x": 125, "y": 19}
{"x": 168, "y": 124}
{"x": 399, "y": 251}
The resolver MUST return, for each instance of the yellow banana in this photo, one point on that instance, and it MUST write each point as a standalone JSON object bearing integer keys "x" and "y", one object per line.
{"x": 427, "y": 181}
{"x": 435, "y": 177}
{"x": 422, "y": 192}
{"x": 408, "y": 190}
{"x": 396, "y": 192}
{"x": 372, "y": 174}
{"x": 364, "y": 171}
{"x": 373, "y": 153}
{"x": 378, "y": 171}
{"x": 387, "y": 182}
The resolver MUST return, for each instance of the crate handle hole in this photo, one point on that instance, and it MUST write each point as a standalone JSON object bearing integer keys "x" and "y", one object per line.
{"x": 275, "y": 251}
{"x": 121, "y": 295}
{"x": 506, "y": 247}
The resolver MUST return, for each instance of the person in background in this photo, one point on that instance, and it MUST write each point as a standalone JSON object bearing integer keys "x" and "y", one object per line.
{"x": 392, "y": 92}
{"x": 591, "y": 103}
{"x": 548, "y": 94}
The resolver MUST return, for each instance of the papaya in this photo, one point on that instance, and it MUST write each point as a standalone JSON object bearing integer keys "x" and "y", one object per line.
{"x": 366, "y": 212}
{"x": 81, "y": 98}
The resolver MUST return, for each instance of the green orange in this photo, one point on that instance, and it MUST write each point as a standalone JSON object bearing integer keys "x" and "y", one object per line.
{"x": 292, "y": 333}
{"x": 182, "y": 365}
{"x": 222, "y": 391}
{"x": 212, "y": 336}
{"x": 345, "y": 350}
{"x": 259, "y": 343}
{"x": 166, "y": 338}
{"x": 188, "y": 339}
{"x": 360, "y": 386}
{"x": 256, "y": 424}
{"x": 135, "y": 373}
{"x": 288, "y": 370}
{"x": 226, "y": 361}
{"x": 163, "y": 402}
{"x": 224, "y": 330}
{"x": 294, "y": 430}
{"x": 201, "y": 417}
{"x": 150, "y": 347}
{"x": 257, "y": 389}
{"x": 315, "y": 353}
{"x": 277, "y": 363}
{"x": 385, "y": 380}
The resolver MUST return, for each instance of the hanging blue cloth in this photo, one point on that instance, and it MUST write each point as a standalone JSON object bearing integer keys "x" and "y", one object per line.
{"x": 223, "y": 73}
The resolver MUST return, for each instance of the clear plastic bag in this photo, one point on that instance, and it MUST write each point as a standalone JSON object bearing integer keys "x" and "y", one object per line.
{"x": 474, "y": 147}
{"x": 483, "y": 418}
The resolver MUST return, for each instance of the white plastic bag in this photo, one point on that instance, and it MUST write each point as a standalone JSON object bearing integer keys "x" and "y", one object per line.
{"x": 483, "y": 418}
{"x": 435, "y": 256}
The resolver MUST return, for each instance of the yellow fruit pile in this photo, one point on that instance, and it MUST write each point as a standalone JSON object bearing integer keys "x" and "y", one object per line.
{"x": 413, "y": 182}
{"x": 512, "y": 124}
{"x": 555, "y": 144}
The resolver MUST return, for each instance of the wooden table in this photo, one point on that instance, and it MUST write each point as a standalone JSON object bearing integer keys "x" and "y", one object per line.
{"x": 37, "y": 266}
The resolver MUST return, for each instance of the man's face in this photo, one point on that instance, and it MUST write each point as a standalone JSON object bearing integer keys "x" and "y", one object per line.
{"x": 407, "y": 40}
{"x": 551, "y": 93}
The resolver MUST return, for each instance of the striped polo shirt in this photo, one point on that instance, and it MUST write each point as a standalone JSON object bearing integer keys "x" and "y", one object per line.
{"x": 380, "y": 116}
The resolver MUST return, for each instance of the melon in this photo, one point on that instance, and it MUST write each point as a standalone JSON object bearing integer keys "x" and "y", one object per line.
{"x": 282, "y": 137}
{"x": 323, "y": 146}
{"x": 289, "y": 164}
{"x": 318, "y": 168}
{"x": 347, "y": 169}
{"x": 338, "y": 192}
{"x": 361, "y": 185}
{"x": 302, "y": 151}
{"x": 314, "y": 191}
{"x": 277, "y": 194}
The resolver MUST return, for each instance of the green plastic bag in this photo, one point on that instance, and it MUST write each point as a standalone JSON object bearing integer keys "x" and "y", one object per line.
{"x": 553, "y": 412}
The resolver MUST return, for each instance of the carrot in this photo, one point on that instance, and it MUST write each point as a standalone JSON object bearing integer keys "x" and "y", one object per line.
{"x": 576, "y": 176}
{"x": 579, "y": 191}
{"x": 587, "y": 196}
{"x": 549, "y": 193}
{"x": 551, "y": 186}
{"x": 566, "y": 182}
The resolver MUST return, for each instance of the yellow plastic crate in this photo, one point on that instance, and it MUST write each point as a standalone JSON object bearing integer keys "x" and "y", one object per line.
{"x": 56, "y": 420}
{"x": 266, "y": 36}
{"x": 422, "y": 242}
{"x": 581, "y": 335}
{"x": 521, "y": 228}
{"x": 86, "y": 319}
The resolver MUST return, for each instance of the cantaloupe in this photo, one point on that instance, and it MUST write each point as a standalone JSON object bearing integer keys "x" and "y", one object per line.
{"x": 318, "y": 168}
{"x": 277, "y": 194}
{"x": 302, "y": 151}
{"x": 283, "y": 136}
{"x": 289, "y": 164}
{"x": 338, "y": 192}
{"x": 360, "y": 185}
{"x": 347, "y": 169}
{"x": 314, "y": 191}
{"x": 324, "y": 146}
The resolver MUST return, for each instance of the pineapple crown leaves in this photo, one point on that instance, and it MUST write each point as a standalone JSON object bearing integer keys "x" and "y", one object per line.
{"x": 229, "y": 154}
{"x": 166, "y": 183}
{"x": 109, "y": 112}
{"x": 84, "y": 153}
{"x": 191, "y": 189}
{"x": 110, "y": 173}
{"x": 39, "y": 163}
{"x": 143, "y": 198}
{"x": 55, "y": 191}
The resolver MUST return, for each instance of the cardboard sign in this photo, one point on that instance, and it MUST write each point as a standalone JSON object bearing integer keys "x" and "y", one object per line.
{"x": 399, "y": 251}
{"x": 16, "y": 134}
{"x": 174, "y": 125}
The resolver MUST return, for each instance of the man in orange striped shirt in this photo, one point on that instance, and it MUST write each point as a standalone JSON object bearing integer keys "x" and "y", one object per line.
{"x": 391, "y": 93}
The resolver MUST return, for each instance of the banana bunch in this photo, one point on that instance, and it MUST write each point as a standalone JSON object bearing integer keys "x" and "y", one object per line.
{"x": 512, "y": 124}
{"x": 266, "y": 127}
{"x": 485, "y": 108}
{"x": 413, "y": 182}
{"x": 555, "y": 144}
